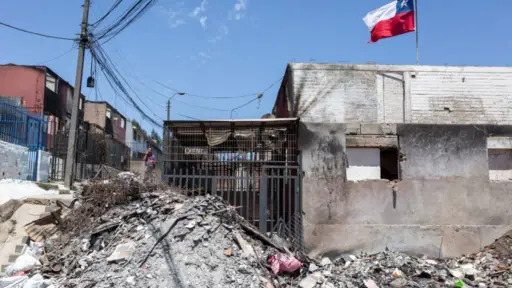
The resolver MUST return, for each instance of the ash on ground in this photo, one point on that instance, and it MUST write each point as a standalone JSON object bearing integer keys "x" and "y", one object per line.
{"x": 125, "y": 233}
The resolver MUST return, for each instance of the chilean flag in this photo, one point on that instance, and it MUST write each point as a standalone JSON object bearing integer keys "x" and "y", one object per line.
{"x": 390, "y": 20}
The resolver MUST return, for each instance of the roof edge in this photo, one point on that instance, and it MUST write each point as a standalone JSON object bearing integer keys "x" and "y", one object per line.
{"x": 397, "y": 68}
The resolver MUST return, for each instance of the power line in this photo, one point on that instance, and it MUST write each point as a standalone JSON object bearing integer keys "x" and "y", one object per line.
{"x": 176, "y": 90}
{"x": 117, "y": 82}
{"x": 106, "y": 14}
{"x": 134, "y": 12}
{"x": 189, "y": 117}
{"x": 272, "y": 85}
{"x": 36, "y": 33}
{"x": 207, "y": 97}
{"x": 57, "y": 57}
{"x": 245, "y": 104}
{"x": 201, "y": 107}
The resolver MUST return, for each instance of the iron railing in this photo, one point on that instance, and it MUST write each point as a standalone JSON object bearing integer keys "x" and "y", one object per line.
{"x": 95, "y": 150}
{"x": 254, "y": 165}
{"x": 22, "y": 127}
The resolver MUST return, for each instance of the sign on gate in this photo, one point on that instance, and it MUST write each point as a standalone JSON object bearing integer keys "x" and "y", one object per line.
{"x": 195, "y": 151}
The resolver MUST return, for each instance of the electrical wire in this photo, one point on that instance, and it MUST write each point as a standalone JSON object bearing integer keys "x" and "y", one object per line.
{"x": 106, "y": 14}
{"x": 208, "y": 97}
{"x": 57, "y": 57}
{"x": 243, "y": 105}
{"x": 36, "y": 33}
{"x": 176, "y": 90}
{"x": 134, "y": 12}
{"x": 189, "y": 117}
{"x": 118, "y": 83}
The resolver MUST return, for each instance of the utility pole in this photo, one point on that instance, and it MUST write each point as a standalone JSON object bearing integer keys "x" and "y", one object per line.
{"x": 169, "y": 110}
{"x": 70, "y": 157}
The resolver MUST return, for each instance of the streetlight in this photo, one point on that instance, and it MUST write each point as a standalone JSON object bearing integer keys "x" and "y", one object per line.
{"x": 167, "y": 140}
{"x": 169, "y": 104}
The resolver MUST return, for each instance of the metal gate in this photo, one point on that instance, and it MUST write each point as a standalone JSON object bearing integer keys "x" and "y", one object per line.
{"x": 281, "y": 202}
{"x": 254, "y": 165}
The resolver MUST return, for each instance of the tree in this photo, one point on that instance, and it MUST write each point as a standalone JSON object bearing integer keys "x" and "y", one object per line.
{"x": 155, "y": 136}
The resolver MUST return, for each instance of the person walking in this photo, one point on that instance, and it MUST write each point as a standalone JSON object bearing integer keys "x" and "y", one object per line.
{"x": 150, "y": 163}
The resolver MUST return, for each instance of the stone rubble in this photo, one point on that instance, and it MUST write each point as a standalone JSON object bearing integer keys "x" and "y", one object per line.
{"x": 152, "y": 237}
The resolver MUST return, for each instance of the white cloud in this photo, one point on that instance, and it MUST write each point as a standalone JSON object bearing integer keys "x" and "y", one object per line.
{"x": 239, "y": 9}
{"x": 204, "y": 55}
{"x": 198, "y": 13}
{"x": 223, "y": 31}
{"x": 202, "y": 21}
{"x": 174, "y": 15}
{"x": 177, "y": 22}
{"x": 199, "y": 9}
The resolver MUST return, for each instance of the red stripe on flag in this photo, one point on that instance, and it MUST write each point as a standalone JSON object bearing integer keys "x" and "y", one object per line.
{"x": 400, "y": 24}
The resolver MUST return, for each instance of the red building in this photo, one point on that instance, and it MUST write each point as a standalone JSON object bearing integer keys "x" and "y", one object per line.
{"x": 40, "y": 90}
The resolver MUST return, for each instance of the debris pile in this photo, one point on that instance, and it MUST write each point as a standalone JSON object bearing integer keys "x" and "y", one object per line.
{"x": 390, "y": 269}
{"x": 125, "y": 233}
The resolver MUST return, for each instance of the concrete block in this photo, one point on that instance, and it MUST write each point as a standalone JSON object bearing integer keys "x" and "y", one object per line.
{"x": 13, "y": 258}
{"x": 352, "y": 128}
{"x": 18, "y": 249}
{"x": 459, "y": 240}
{"x": 372, "y": 129}
{"x": 333, "y": 240}
{"x": 389, "y": 129}
{"x": 371, "y": 141}
{"x": 443, "y": 241}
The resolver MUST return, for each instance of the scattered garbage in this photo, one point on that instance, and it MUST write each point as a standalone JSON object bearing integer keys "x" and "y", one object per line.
{"x": 126, "y": 233}
{"x": 28, "y": 261}
{"x": 284, "y": 263}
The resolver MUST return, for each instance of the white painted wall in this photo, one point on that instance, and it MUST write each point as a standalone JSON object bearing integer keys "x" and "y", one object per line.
{"x": 13, "y": 161}
{"x": 364, "y": 164}
{"x": 345, "y": 93}
{"x": 500, "y": 158}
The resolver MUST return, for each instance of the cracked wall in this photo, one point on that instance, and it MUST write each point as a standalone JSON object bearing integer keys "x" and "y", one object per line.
{"x": 443, "y": 206}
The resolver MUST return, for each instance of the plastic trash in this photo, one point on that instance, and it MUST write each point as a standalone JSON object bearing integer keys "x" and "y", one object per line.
{"x": 284, "y": 263}
{"x": 26, "y": 261}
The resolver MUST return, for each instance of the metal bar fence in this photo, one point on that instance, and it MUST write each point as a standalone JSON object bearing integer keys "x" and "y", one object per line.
{"x": 22, "y": 127}
{"x": 95, "y": 149}
{"x": 253, "y": 166}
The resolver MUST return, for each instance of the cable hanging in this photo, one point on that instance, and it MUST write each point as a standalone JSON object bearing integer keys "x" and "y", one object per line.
{"x": 117, "y": 82}
{"x": 36, "y": 33}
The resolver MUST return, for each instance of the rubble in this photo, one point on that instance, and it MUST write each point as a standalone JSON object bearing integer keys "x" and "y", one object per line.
{"x": 125, "y": 233}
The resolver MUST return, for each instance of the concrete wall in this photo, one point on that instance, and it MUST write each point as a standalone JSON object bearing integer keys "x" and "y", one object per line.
{"x": 344, "y": 93}
{"x": 25, "y": 82}
{"x": 95, "y": 113}
{"x": 444, "y": 205}
{"x": 14, "y": 161}
{"x": 441, "y": 151}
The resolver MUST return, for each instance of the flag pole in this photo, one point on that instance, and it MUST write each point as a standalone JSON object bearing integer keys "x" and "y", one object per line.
{"x": 416, "y": 28}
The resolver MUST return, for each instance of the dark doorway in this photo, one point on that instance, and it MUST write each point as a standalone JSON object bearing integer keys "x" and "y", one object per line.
{"x": 389, "y": 163}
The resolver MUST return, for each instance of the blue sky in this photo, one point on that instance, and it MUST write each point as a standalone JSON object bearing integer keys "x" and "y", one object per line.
{"x": 237, "y": 47}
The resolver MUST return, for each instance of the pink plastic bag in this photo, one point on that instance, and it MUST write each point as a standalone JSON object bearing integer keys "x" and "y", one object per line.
{"x": 284, "y": 263}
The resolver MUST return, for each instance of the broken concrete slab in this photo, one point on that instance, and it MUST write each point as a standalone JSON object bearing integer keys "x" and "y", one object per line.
{"x": 123, "y": 252}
